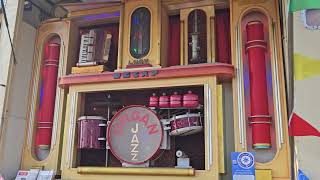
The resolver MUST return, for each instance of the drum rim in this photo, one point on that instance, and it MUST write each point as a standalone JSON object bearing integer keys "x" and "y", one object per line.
{"x": 185, "y": 115}
{"x": 198, "y": 128}
{"x": 108, "y": 135}
{"x": 92, "y": 118}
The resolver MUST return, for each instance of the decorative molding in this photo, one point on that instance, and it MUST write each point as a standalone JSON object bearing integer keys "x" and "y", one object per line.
{"x": 221, "y": 70}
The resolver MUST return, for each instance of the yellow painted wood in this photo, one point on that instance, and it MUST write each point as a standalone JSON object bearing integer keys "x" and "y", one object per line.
{"x": 69, "y": 170}
{"x": 220, "y": 129}
{"x": 264, "y": 174}
{"x": 305, "y": 67}
{"x": 281, "y": 164}
{"x": 137, "y": 171}
{"x": 46, "y": 31}
{"x": 154, "y": 54}
{"x": 89, "y": 69}
{"x": 184, "y": 15}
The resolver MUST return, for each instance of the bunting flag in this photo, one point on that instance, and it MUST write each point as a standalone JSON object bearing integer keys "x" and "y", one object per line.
{"x": 300, "y": 127}
{"x": 305, "y": 67}
{"x": 302, "y": 176}
{"x": 298, "y": 5}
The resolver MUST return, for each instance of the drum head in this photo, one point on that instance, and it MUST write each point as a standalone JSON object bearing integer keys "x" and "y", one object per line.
{"x": 135, "y": 134}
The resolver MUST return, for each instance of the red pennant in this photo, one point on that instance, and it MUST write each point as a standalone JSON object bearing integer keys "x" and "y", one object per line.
{"x": 300, "y": 127}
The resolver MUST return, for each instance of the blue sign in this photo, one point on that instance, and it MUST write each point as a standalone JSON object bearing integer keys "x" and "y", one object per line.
{"x": 243, "y": 166}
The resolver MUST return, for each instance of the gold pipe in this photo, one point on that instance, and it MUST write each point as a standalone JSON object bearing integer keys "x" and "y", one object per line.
{"x": 137, "y": 171}
{"x": 212, "y": 40}
{"x": 182, "y": 45}
{"x": 120, "y": 64}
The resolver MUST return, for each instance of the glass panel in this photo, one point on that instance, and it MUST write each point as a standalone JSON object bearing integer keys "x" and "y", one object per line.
{"x": 197, "y": 37}
{"x": 140, "y": 33}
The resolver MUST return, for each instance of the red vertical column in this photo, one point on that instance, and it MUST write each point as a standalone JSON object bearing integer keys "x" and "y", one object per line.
{"x": 47, "y": 96}
{"x": 259, "y": 119}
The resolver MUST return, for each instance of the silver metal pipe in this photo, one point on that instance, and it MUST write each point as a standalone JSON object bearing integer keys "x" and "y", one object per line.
{"x": 278, "y": 109}
{"x": 71, "y": 130}
{"x": 208, "y": 126}
{"x": 57, "y": 100}
{"x": 241, "y": 122}
{"x": 34, "y": 97}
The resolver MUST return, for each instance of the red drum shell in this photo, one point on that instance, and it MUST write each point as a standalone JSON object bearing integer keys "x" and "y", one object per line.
{"x": 164, "y": 101}
{"x": 190, "y": 104}
{"x": 190, "y": 100}
{"x": 175, "y": 100}
{"x": 154, "y": 101}
{"x": 185, "y": 125}
{"x": 89, "y": 132}
{"x": 175, "y": 104}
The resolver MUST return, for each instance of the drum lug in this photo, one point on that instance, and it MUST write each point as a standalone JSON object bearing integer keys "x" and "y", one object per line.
{"x": 166, "y": 138}
{"x": 165, "y": 123}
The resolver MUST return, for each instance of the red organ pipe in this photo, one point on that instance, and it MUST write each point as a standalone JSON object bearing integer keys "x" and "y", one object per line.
{"x": 260, "y": 120}
{"x": 45, "y": 113}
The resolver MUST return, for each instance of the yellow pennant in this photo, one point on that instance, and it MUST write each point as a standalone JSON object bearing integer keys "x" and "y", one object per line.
{"x": 305, "y": 67}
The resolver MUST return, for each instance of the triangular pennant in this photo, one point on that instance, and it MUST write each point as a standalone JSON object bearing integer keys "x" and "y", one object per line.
{"x": 302, "y": 176}
{"x": 300, "y": 127}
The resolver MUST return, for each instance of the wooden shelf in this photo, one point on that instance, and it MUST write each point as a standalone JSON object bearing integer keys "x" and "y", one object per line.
{"x": 224, "y": 72}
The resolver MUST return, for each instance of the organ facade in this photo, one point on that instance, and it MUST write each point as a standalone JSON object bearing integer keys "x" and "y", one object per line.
{"x": 162, "y": 89}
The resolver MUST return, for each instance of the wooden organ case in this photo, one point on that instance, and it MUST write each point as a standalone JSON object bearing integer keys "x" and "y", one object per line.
{"x": 114, "y": 69}
{"x": 46, "y": 102}
{"x": 197, "y": 35}
{"x": 259, "y": 89}
{"x": 144, "y": 45}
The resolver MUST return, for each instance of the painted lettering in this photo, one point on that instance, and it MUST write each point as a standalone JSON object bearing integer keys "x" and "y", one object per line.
{"x": 145, "y": 119}
{"x": 135, "y": 74}
{"x": 134, "y": 156}
{"x": 135, "y": 146}
{"x": 134, "y": 143}
{"x": 135, "y": 115}
{"x": 152, "y": 129}
{"x": 135, "y": 130}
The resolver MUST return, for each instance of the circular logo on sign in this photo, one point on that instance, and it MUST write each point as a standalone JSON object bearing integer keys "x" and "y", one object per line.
{"x": 245, "y": 160}
{"x": 135, "y": 134}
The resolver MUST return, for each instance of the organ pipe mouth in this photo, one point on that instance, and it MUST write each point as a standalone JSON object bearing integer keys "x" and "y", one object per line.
{"x": 42, "y": 152}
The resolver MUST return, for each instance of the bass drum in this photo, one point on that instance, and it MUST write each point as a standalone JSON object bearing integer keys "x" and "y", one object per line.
{"x": 186, "y": 124}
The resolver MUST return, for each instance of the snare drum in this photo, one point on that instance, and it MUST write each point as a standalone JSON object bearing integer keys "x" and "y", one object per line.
{"x": 91, "y": 132}
{"x": 186, "y": 124}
